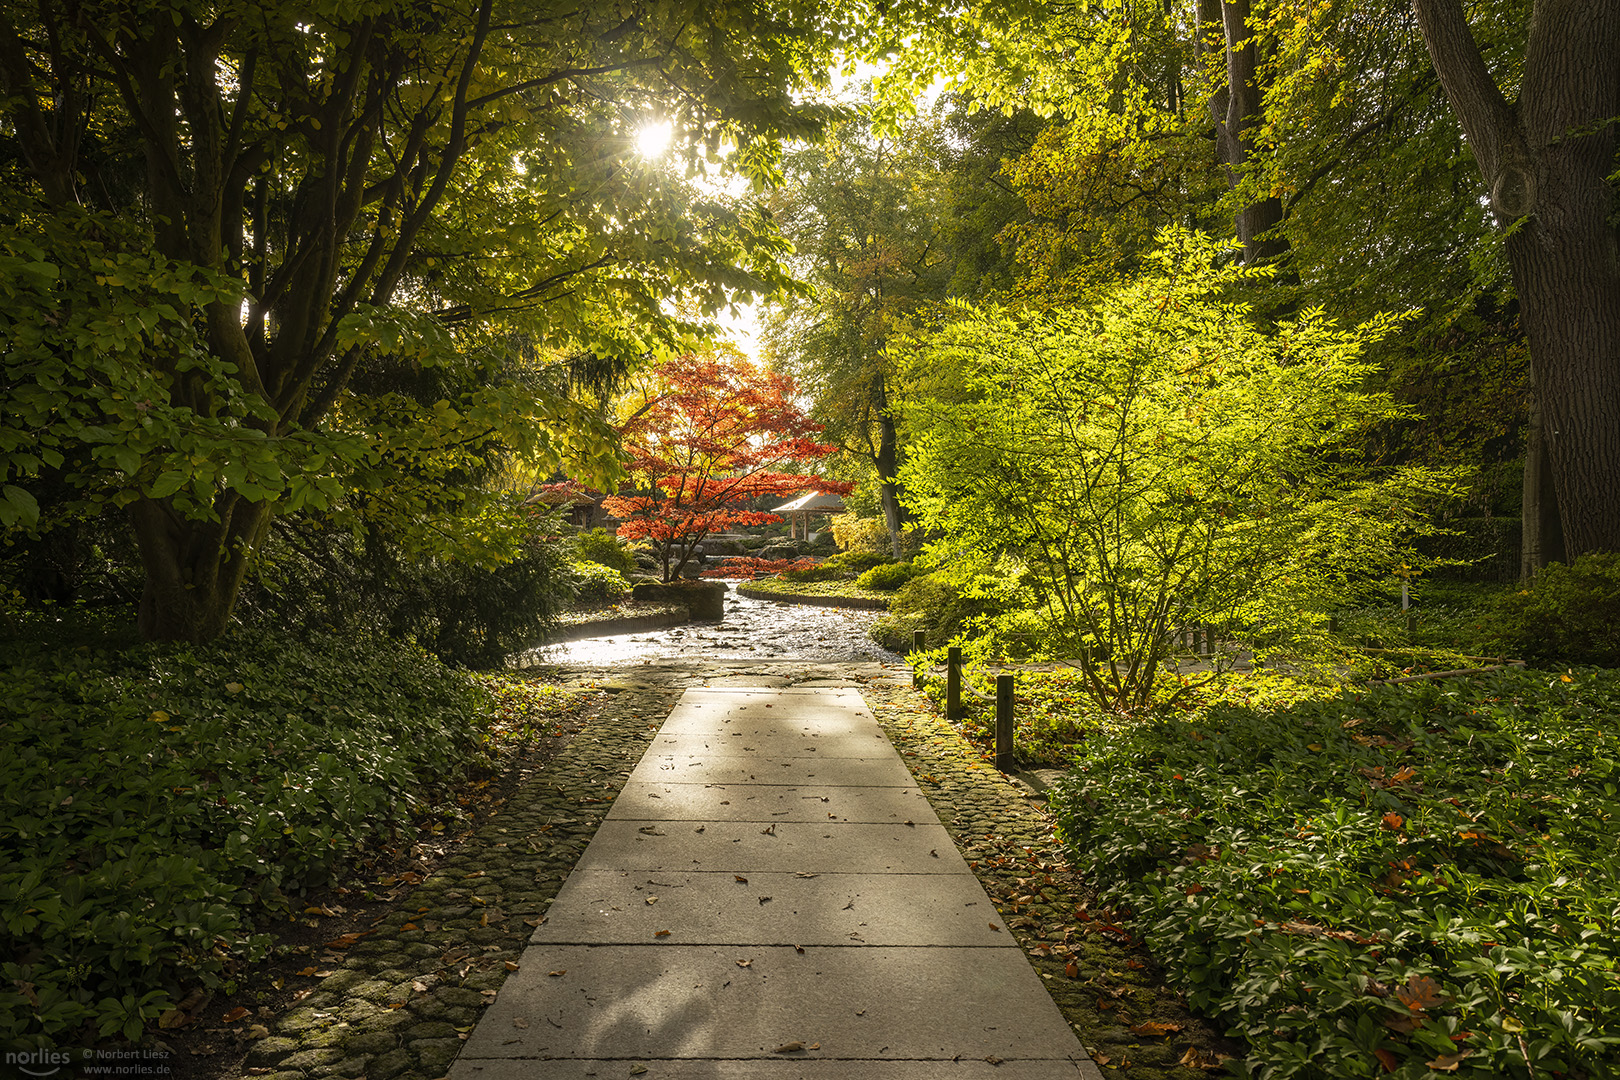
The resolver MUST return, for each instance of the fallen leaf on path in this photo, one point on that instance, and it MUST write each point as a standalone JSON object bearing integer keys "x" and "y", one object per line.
{"x": 745, "y": 963}
{"x": 519, "y": 1022}
{"x": 764, "y": 900}
{"x": 512, "y": 965}
{"x": 739, "y": 879}
{"x": 660, "y": 933}
{"x": 769, "y": 831}
{"x": 650, "y": 900}
{"x": 637, "y": 1070}
{"x": 559, "y": 973}
{"x": 789, "y": 1048}
{"x": 801, "y": 873}
{"x": 234, "y": 1015}
{"x": 800, "y": 949}
{"x": 996, "y": 928}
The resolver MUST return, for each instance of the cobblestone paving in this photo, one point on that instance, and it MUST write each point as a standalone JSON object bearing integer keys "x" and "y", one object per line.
{"x": 401, "y": 1000}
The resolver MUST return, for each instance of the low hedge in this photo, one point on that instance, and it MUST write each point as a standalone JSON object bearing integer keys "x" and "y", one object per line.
{"x": 158, "y": 799}
{"x": 1397, "y": 881}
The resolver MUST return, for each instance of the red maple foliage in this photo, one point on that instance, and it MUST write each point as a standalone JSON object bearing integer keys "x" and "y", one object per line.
{"x": 706, "y": 447}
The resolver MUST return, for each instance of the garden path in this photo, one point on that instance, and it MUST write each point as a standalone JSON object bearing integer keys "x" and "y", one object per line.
{"x": 772, "y": 896}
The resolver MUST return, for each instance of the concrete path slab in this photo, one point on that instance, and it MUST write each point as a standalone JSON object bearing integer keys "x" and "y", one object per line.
{"x": 768, "y": 802}
{"x": 720, "y": 769}
{"x": 603, "y": 906}
{"x": 674, "y": 1001}
{"x": 748, "y": 892}
{"x": 777, "y": 744}
{"x": 741, "y": 847}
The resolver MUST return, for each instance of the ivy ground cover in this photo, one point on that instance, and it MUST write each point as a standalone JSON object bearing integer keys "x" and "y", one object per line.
{"x": 161, "y": 801}
{"x": 1406, "y": 880}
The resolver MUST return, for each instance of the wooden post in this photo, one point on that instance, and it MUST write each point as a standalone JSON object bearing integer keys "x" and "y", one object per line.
{"x": 1004, "y": 722}
{"x": 919, "y": 644}
{"x": 953, "y": 683}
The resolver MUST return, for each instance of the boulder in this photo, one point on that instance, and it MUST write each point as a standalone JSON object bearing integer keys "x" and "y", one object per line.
{"x": 705, "y": 599}
{"x": 721, "y": 545}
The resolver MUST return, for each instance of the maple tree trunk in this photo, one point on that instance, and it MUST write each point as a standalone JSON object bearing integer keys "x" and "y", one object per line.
{"x": 1545, "y": 159}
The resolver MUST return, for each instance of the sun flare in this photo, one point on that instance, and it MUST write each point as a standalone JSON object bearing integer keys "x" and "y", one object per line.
{"x": 653, "y": 138}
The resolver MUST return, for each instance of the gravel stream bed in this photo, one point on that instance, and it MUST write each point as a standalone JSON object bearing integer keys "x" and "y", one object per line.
{"x": 399, "y": 1002}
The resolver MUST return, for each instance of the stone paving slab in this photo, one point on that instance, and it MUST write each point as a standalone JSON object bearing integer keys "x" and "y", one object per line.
{"x": 743, "y": 847}
{"x": 774, "y": 744}
{"x": 663, "y": 1001}
{"x": 719, "y": 769}
{"x": 604, "y": 906}
{"x": 765, "y": 803}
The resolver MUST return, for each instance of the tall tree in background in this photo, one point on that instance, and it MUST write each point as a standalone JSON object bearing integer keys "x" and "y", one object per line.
{"x": 1548, "y": 159}
{"x": 883, "y": 227}
{"x": 863, "y": 213}
{"x": 218, "y": 216}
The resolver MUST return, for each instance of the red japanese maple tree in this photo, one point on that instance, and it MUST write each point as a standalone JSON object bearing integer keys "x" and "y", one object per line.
{"x": 713, "y": 441}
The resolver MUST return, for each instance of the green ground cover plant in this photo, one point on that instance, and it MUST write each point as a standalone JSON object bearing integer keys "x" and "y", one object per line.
{"x": 843, "y": 588}
{"x": 161, "y": 800}
{"x": 1400, "y": 880}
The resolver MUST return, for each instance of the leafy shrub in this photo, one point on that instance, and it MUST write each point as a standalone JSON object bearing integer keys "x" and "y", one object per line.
{"x": 1570, "y": 614}
{"x": 158, "y": 800}
{"x": 867, "y": 536}
{"x": 887, "y": 577}
{"x": 1408, "y": 878}
{"x": 931, "y": 604}
{"x": 598, "y": 583}
{"x": 465, "y": 614}
{"x": 602, "y": 547}
{"x": 1077, "y": 445}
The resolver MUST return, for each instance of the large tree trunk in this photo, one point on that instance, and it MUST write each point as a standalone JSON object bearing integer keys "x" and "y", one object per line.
{"x": 1545, "y": 160}
{"x": 1234, "y": 110}
{"x": 194, "y": 569}
{"x": 1542, "y": 539}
